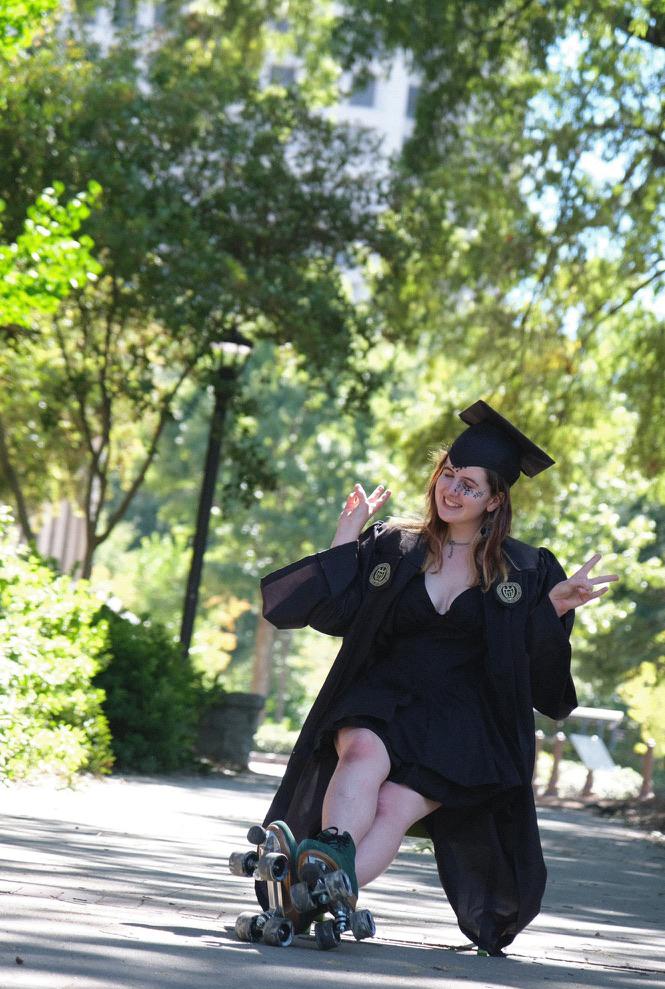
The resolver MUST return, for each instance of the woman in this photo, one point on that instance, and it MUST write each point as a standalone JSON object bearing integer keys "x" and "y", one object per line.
{"x": 453, "y": 633}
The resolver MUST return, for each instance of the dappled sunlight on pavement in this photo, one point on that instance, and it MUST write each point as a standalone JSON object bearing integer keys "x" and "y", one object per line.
{"x": 123, "y": 883}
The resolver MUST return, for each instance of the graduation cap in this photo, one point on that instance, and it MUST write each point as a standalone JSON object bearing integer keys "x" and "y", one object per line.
{"x": 493, "y": 442}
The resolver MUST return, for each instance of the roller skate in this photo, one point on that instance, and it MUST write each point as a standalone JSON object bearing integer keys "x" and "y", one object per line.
{"x": 272, "y": 861}
{"x": 325, "y": 867}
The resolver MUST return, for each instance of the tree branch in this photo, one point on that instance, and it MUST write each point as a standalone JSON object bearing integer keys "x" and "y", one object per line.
{"x": 655, "y": 33}
{"x": 115, "y": 517}
{"x": 659, "y": 273}
{"x": 74, "y": 387}
{"x": 504, "y": 21}
{"x": 103, "y": 459}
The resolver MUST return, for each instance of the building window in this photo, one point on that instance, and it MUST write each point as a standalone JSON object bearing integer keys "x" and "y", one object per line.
{"x": 364, "y": 95}
{"x": 412, "y": 101}
{"x": 282, "y": 75}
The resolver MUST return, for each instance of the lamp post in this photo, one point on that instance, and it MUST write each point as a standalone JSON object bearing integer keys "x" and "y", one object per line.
{"x": 233, "y": 353}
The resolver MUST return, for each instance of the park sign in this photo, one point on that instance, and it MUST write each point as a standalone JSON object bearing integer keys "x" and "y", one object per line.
{"x": 592, "y": 751}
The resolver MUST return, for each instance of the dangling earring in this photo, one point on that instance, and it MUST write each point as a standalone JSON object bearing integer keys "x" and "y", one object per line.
{"x": 486, "y": 527}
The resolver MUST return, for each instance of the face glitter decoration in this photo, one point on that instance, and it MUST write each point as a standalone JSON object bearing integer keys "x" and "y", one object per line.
{"x": 461, "y": 485}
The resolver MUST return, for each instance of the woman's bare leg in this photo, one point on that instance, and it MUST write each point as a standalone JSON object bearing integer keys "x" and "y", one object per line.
{"x": 397, "y": 809}
{"x": 350, "y": 803}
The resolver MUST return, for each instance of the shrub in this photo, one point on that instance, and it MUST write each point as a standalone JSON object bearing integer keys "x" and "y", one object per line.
{"x": 51, "y": 647}
{"x": 644, "y": 692}
{"x": 152, "y": 696}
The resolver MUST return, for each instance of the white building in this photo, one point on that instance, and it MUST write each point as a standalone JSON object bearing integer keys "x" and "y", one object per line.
{"x": 386, "y": 104}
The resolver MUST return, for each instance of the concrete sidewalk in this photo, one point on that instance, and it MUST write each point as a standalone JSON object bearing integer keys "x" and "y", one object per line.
{"x": 123, "y": 884}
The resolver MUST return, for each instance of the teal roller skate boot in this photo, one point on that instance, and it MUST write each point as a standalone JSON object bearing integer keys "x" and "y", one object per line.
{"x": 330, "y": 857}
{"x": 329, "y": 852}
{"x": 325, "y": 866}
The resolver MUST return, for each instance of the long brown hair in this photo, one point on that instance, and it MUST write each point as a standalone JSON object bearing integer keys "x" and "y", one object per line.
{"x": 486, "y": 548}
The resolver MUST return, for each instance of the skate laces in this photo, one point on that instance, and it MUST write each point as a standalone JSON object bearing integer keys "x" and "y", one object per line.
{"x": 332, "y": 836}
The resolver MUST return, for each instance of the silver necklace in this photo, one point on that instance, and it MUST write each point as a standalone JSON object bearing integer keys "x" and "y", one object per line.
{"x": 452, "y": 543}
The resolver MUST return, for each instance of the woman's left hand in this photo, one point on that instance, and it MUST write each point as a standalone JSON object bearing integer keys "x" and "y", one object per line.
{"x": 579, "y": 588}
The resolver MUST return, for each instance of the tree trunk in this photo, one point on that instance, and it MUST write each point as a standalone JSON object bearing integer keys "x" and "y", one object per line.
{"x": 284, "y": 637}
{"x": 90, "y": 546}
{"x": 263, "y": 651}
{"x": 12, "y": 480}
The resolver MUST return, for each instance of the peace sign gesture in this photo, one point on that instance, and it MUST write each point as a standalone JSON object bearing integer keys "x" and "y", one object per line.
{"x": 580, "y": 588}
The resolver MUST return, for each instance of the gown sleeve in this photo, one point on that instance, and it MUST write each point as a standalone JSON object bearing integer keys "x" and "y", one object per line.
{"x": 548, "y": 645}
{"x": 323, "y": 590}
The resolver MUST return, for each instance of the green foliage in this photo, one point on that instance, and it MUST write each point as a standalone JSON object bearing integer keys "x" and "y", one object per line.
{"x": 528, "y": 197}
{"x": 51, "y": 648}
{"x": 19, "y": 22}
{"x": 43, "y": 265}
{"x": 644, "y": 692}
{"x": 295, "y": 449}
{"x": 526, "y": 201}
{"x": 228, "y": 208}
{"x": 274, "y": 736}
{"x": 150, "y": 576}
{"x": 517, "y": 256}
{"x": 146, "y": 573}
{"x": 152, "y": 696}
{"x": 46, "y": 262}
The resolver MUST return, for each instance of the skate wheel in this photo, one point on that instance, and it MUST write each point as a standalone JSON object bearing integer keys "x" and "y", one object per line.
{"x": 243, "y": 863}
{"x": 482, "y": 953}
{"x": 278, "y": 932}
{"x": 301, "y": 899}
{"x": 256, "y": 835}
{"x": 310, "y": 873}
{"x": 249, "y": 926}
{"x": 338, "y": 885}
{"x": 326, "y": 935}
{"x": 362, "y": 924}
{"x": 273, "y": 866}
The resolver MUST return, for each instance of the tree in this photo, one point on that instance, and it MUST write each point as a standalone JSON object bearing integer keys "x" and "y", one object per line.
{"x": 528, "y": 193}
{"x": 292, "y": 454}
{"x": 528, "y": 203}
{"x": 227, "y": 209}
{"x": 518, "y": 259}
{"x": 45, "y": 262}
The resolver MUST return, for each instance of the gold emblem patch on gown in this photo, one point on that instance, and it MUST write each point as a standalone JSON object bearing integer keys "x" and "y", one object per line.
{"x": 508, "y": 592}
{"x": 380, "y": 575}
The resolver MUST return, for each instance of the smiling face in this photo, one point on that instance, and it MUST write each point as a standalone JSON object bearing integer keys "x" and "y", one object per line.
{"x": 462, "y": 494}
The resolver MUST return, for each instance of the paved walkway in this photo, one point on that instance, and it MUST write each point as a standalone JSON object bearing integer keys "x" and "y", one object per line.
{"x": 122, "y": 884}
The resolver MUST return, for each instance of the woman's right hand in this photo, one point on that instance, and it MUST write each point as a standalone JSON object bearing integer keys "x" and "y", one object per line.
{"x": 358, "y": 509}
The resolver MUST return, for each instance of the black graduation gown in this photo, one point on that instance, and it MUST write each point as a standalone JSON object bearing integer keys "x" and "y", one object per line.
{"x": 489, "y": 858}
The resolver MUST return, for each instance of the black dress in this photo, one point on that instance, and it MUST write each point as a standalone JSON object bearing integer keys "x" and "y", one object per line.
{"x": 428, "y": 698}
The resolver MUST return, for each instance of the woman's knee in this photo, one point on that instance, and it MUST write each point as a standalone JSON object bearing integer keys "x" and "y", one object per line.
{"x": 361, "y": 745}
